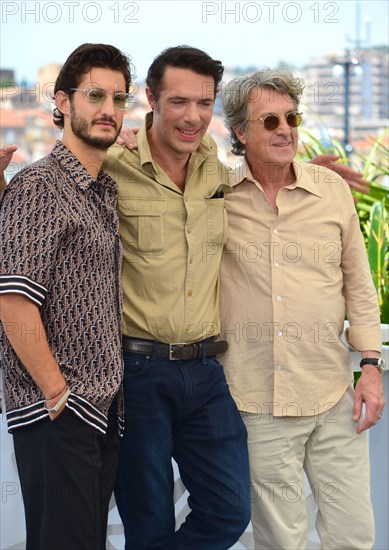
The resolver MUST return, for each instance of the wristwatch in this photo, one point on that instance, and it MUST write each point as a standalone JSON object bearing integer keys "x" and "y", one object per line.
{"x": 378, "y": 362}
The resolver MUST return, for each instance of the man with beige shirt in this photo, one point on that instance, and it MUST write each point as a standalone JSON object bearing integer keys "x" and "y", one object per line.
{"x": 294, "y": 263}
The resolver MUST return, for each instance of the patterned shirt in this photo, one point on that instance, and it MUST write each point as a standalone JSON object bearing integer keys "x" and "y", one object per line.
{"x": 61, "y": 249}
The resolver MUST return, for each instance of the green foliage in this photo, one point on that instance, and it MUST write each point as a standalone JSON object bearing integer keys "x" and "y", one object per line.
{"x": 376, "y": 165}
{"x": 314, "y": 147}
{"x": 377, "y": 250}
{"x": 373, "y": 214}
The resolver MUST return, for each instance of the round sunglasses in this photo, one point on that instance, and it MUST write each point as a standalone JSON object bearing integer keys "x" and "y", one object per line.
{"x": 272, "y": 121}
{"x": 97, "y": 96}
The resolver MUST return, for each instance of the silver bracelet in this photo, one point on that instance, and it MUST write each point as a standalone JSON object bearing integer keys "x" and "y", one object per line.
{"x": 58, "y": 405}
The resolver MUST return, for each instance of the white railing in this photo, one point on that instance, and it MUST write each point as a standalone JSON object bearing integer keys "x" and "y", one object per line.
{"x": 12, "y": 530}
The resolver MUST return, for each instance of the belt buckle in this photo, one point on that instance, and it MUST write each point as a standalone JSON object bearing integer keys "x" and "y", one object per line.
{"x": 171, "y": 350}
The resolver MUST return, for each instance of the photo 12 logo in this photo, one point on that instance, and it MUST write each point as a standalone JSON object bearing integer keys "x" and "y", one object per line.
{"x": 70, "y": 12}
{"x": 269, "y": 12}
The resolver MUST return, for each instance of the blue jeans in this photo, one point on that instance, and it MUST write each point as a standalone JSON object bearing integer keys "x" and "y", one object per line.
{"x": 184, "y": 410}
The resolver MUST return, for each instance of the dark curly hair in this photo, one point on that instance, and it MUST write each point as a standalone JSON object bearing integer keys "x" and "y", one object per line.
{"x": 82, "y": 60}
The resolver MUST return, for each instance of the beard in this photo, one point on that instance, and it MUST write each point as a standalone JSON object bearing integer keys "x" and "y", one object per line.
{"x": 80, "y": 128}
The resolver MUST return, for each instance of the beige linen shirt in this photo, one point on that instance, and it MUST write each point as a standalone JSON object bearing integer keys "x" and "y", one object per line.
{"x": 286, "y": 280}
{"x": 172, "y": 242}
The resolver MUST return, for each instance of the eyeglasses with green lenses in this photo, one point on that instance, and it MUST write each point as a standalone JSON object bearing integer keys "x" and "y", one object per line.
{"x": 272, "y": 121}
{"x": 97, "y": 96}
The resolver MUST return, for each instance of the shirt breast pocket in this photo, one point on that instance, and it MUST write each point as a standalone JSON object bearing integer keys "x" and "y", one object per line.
{"x": 217, "y": 227}
{"x": 142, "y": 224}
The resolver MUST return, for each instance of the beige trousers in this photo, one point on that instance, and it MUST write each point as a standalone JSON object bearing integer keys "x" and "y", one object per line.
{"x": 336, "y": 461}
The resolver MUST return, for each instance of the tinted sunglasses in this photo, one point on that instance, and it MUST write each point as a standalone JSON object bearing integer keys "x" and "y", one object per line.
{"x": 272, "y": 121}
{"x": 97, "y": 96}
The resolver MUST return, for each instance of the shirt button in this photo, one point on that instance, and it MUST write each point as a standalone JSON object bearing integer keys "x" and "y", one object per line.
{"x": 191, "y": 260}
{"x": 189, "y": 230}
{"x": 279, "y": 367}
{"x": 278, "y": 298}
{"x": 190, "y": 293}
{"x": 275, "y": 231}
{"x": 279, "y": 333}
{"x": 276, "y": 264}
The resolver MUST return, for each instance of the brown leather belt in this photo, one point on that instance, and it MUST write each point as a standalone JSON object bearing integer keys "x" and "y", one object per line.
{"x": 175, "y": 352}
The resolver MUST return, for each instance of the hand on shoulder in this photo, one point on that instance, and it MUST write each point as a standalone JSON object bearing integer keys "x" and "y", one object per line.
{"x": 352, "y": 177}
{"x": 6, "y": 153}
{"x": 127, "y": 137}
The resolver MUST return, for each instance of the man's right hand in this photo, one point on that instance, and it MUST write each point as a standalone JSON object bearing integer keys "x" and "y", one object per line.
{"x": 6, "y": 153}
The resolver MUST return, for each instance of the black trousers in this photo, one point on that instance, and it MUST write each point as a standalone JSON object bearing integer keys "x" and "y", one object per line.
{"x": 67, "y": 471}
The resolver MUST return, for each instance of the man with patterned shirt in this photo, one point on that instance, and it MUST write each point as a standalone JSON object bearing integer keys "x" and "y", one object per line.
{"x": 60, "y": 302}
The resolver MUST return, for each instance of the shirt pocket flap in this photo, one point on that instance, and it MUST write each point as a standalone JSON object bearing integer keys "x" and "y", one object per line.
{"x": 142, "y": 224}
{"x": 143, "y": 207}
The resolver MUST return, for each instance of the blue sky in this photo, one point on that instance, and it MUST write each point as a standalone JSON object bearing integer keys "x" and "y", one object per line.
{"x": 246, "y": 33}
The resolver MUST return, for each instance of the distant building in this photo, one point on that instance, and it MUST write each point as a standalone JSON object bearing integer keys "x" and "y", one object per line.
{"x": 29, "y": 96}
{"x": 32, "y": 130}
{"x": 324, "y": 95}
{"x": 375, "y": 84}
{"x": 44, "y": 85}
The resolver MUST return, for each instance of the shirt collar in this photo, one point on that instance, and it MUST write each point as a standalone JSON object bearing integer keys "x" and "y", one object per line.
{"x": 73, "y": 166}
{"x": 305, "y": 176}
{"x": 242, "y": 172}
{"x": 143, "y": 142}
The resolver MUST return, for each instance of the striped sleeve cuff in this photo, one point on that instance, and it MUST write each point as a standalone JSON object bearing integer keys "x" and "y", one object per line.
{"x": 19, "y": 284}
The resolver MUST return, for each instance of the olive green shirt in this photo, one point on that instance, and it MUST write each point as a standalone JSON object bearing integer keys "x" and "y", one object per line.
{"x": 172, "y": 242}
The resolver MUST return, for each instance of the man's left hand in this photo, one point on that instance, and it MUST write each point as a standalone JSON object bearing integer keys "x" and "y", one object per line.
{"x": 6, "y": 153}
{"x": 369, "y": 390}
{"x": 351, "y": 176}
{"x": 128, "y": 138}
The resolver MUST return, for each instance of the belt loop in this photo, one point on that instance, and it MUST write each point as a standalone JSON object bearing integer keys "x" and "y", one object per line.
{"x": 154, "y": 354}
{"x": 203, "y": 352}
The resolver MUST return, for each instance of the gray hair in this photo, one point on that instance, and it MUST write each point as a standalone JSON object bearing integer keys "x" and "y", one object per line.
{"x": 237, "y": 93}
